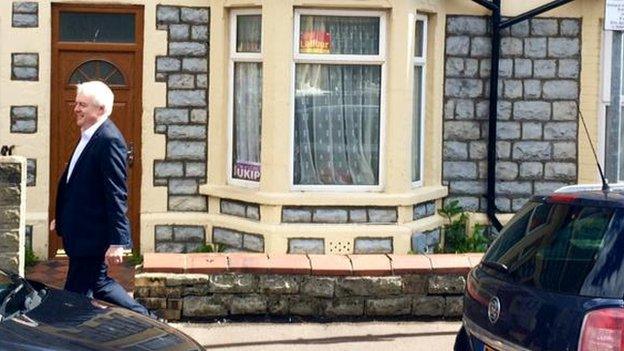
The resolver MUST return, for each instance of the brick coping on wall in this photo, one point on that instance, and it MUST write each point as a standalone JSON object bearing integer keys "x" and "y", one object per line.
{"x": 321, "y": 265}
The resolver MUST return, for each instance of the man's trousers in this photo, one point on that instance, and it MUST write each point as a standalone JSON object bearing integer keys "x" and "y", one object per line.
{"x": 89, "y": 276}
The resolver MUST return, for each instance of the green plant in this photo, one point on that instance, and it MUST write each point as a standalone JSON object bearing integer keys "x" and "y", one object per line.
{"x": 135, "y": 259}
{"x": 456, "y": 238}
{"x": 30, "y": 259}
{"x": 211, "y": 247}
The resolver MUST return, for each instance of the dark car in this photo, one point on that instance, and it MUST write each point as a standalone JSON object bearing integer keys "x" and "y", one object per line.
{"x": 553, "y": 279}
{"x": 34, "y": 316}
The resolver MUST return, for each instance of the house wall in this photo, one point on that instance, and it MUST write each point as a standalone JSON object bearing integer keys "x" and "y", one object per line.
{"x": 195, "y": 208}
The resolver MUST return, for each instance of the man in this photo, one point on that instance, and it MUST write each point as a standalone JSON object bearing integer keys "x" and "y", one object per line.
{"x": 91, "y": 201}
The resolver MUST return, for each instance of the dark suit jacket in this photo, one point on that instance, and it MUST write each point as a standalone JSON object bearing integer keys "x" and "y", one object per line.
{"x": 91, "y": 209}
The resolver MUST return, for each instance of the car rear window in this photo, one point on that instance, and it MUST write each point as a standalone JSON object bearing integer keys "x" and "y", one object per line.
{"x": 553, "y": 246}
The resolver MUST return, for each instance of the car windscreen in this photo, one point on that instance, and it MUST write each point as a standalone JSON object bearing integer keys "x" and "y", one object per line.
{"x": 556, "y": 247}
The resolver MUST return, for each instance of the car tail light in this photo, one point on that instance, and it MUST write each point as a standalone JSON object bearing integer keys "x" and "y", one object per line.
{"x": 603, "y": 330}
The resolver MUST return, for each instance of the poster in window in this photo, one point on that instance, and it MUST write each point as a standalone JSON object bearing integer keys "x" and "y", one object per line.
{"x": 247, "y": 171}
{"x": 315, "y": 42}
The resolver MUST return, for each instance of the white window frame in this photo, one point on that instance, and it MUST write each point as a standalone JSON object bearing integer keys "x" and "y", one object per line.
{"x": 421, "y": 62}
{"x": 329, "y": 59}
{"x": 605, "y": 92}
{"x": 234, "y": 58}
{"x": 605, "y": 99}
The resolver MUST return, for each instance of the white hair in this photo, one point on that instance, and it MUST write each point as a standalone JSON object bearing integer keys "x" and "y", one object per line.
{"x": 101, "y": 94}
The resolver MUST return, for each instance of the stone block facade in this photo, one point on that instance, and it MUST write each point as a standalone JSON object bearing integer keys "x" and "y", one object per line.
{"x": 240, "y": 209}
{"x": 339, "y": 215}
{"x": 370, "y": 245}
{"x": 25, "y": 66}
{"x": 537, "y": 111}
{"x": 426, "y": 242}
{"x": 306, "y": 246}
{"x": 31, "y": 172}
{"x": 179, "y": 238}
{"x": 23, "y": 119}
{"x": 25, "y": 14}
{"x": 184, "y": 120}
{"x": 237, "y": 241}
{"x": 423, "y": 210}
{"x": 12, "y": 208}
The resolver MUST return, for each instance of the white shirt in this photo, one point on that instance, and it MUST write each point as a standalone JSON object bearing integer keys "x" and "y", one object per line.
{"x": 84, "y": 140}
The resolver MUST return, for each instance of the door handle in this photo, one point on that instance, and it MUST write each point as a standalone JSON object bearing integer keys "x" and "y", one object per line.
{"x": 130, "y": 153}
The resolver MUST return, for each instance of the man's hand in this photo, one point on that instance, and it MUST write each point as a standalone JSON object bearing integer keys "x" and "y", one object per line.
{"x": 114, "y": 255}
{"x": 53, "y": 225}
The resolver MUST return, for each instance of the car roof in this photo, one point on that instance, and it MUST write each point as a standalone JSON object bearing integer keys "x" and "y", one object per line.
{"x": 586, "y": 195}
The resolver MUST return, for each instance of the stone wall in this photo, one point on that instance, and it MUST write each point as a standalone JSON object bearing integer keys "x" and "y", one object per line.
{"x": 237, "y": 241}
{"x": 25, "y": 66}
{"x": 184, "y": 120}
{"x": 12, "y": 210}
{"x": 240, "y": 209}
{"x": 337, "y": 215}
{"x": 368, "y": 286}
{"x": 25, "y": 14}
{"x": 537, "y": 109}
{"x": 179, "y": 238}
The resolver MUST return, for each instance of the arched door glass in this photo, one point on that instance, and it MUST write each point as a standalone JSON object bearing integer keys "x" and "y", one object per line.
{"x": 97, "y": 70}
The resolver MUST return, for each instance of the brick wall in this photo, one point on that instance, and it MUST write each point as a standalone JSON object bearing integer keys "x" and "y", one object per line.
{"x": 12, "y": 210}
{"x": 537, "y": 110}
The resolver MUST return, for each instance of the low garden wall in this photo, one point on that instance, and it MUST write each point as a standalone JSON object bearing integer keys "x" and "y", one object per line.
{"x": 12, "y": 209}
{"x": 209, "y": 285}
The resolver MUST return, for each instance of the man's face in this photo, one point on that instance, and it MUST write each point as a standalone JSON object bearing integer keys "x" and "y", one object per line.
{"x": 87, "y": 113}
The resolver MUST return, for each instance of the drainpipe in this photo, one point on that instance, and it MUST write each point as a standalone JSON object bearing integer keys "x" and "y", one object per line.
{"x": 497, "y": 26}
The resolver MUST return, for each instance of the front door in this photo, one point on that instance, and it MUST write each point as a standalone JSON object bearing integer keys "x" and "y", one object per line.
{"x": 96, "y": 43}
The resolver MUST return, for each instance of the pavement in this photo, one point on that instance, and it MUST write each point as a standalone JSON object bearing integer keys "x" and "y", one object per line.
{"x": 53, "y": 273}
{"x": 382, "y": 335}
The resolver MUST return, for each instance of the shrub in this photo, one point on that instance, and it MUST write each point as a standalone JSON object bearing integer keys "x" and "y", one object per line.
{"x": 135, "y": 259}
{"x": 456, "y": 238}
{"x": 30, "y": 259}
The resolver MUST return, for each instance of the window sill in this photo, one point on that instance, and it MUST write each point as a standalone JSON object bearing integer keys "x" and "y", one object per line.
{"x": 408, "y": 198}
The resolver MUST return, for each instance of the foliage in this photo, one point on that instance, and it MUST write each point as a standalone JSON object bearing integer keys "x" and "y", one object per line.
{"x": 211, "y": 247}
{"x": 30, "y": 259}
{"x": 135, "y": 259}
{"x": 456, "y": 238}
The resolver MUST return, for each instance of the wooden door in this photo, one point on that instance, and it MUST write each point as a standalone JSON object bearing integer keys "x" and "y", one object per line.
{"x": 119, "y": 64}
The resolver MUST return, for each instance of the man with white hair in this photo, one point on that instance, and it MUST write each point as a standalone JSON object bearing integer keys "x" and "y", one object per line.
{"x": 92, "y": 200}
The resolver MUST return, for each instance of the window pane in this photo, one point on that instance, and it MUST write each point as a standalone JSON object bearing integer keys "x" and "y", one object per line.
{"x": 560, "y": 254}
{"x": 511, "y": 234}
{"x": 339, "y": 35}
{"x": 248, "y": 33}
{"x": 337, "y": 124}
{"x": 417, "y": 123}
{"x": 247, "y": 120}
{"x": 420, "y": 39}
{"x": 97, "y": 27}
{"x": 97, "y": 70}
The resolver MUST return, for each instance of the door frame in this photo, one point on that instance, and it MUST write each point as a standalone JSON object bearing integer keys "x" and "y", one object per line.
{"x": 137, "y": 110}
